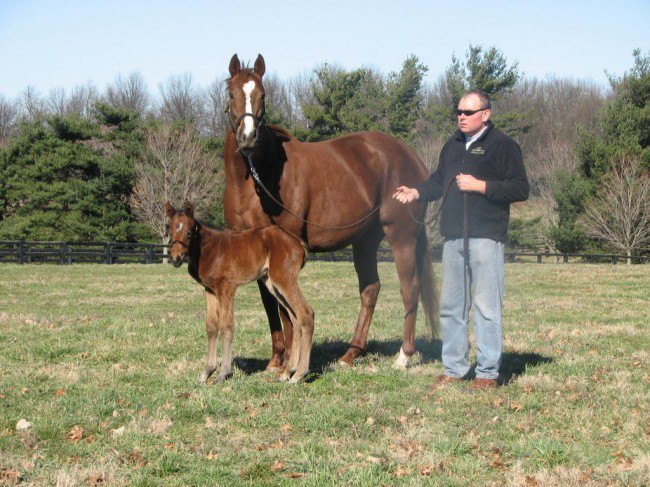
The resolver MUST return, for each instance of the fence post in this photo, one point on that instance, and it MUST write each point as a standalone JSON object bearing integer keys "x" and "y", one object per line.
{"x": 148, "y": 256}
{"x": 107, "y": 253}
{"x": 62, "y": 253}
{"x": 614, "y": 260}
{"x": 565, "y": 258}
{"x": 539, "y": 258}
{"x": 21, "y": 252}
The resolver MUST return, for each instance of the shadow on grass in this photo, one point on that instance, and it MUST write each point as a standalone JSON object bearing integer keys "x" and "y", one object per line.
{"x": 515, "y": 364}
{"x": 326, "y": 354}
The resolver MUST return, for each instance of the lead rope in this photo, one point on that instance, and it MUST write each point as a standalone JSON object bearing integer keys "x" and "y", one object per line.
{"x": 465, "y": 252}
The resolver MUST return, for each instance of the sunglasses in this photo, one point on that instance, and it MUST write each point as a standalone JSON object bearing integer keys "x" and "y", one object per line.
{"x": 469, "y": 113}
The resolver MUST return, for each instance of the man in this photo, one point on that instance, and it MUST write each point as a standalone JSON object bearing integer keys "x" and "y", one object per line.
{"x": 480, "y": 172}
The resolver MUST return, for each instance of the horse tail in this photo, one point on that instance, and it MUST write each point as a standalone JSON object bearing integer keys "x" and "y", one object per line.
{"x": 428, "y": 292}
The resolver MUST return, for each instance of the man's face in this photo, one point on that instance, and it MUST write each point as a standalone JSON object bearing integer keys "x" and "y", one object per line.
{"x": 472, "y": 124}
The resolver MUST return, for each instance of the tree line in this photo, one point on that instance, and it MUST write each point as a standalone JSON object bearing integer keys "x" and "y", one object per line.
{"x": 98, "y": 165}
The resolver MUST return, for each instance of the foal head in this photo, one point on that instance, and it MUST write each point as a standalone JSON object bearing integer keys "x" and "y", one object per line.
{"x": 246, "y": 103}
{"x": 182, "y": 226}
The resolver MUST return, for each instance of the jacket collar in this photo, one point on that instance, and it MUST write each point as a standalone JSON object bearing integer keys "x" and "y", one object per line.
{"x": 459, "y": 136}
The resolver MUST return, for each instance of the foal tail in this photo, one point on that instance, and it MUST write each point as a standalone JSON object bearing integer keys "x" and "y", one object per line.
{"x": 428, "y": 292}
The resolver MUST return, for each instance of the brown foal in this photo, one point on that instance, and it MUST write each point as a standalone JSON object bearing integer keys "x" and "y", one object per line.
{"x": 221, "y": 261}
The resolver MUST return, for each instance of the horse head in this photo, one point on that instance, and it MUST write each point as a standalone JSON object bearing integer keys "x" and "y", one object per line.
{"x": 182, "y": 226}
{"x": 246, "y": 103}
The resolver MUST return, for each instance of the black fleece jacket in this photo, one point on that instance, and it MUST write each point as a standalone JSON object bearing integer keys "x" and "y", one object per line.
{"x": 494, "y": 158}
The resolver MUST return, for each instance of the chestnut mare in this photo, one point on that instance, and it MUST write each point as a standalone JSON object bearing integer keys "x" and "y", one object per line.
{"x": 332, "y": 194}
{"x": 223, "y": 261}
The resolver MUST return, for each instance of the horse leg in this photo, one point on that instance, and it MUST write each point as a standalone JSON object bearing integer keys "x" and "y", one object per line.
{"x": 365, "y": 264}
{"x": 211, "y": 326}
{"x": 277, "y": 337}
{"x": 226, "y": 299}
{"x": 404, "y": 252}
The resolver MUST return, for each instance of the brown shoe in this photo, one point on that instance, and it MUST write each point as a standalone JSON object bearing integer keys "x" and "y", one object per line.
{"x": 481, "y": 385}
{"x": 443, "y": 380}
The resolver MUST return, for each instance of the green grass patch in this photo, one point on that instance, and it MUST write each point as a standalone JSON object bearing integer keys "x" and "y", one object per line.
{"x": 102, "y": 363}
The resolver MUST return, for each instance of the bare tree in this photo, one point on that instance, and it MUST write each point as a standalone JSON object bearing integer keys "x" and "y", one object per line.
{"x": 32, "y": 105}
{"x": 216, "y": 121}
{"x": 129, "y": 93}
{"x": 80, "y": 102}
{"x": 8, "y": 119}
{"x": 174, "y": 168}
{"x": 181, "y": 100}
{"x": 620, "y": 214}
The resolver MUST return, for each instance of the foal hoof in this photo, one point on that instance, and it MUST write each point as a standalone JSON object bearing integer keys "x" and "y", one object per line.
{"x": 222, "y": 377}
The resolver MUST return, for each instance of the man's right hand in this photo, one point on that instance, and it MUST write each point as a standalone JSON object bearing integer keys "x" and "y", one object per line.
{"x": 404, "y": 194}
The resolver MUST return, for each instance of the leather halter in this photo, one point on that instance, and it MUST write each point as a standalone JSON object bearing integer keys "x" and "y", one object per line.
{"x": 259, "y": 122}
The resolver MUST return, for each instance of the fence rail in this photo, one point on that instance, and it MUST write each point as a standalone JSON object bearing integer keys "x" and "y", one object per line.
{"x": 22, "y": 252}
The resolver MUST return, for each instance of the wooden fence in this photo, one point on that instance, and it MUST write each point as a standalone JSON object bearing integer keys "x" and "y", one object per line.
{"x": 22, "y": 252}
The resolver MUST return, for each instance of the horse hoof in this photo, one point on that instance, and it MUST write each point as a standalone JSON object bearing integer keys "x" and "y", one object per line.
{"x": 343, "y": 363}
{"x": 222, "y": 377}
{"x": 402, "y": 360}
{"x": 282, "y": 378}
{"x": 295, "y": 380}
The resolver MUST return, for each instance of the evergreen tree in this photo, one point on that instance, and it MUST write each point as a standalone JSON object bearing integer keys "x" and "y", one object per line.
{"x": 623, "y": 130}
{"x": 66, "y": 180}
{"x": 405, "y": 98}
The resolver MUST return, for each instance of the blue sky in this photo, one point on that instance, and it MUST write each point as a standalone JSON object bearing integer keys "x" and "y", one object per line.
{"x": 58, "y": 43}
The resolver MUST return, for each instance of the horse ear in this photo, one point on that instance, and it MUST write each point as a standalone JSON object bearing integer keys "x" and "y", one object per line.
{"x": 189, "y": 209}
{"x": 169, "y": 209}
{"x": 260, "y": 67}
{"x": 235, "y": 66}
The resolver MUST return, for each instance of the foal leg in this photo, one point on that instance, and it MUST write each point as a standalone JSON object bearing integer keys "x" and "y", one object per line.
{"x": 305, "y": 321}
{"x": 226, "y": 300}
{"x": 212, "y": 328}
{"x": 287, "y": 326}
{"x": 365, "y": 264}
{"x": 302, "y": 317}
{"x": 277, "y": 337}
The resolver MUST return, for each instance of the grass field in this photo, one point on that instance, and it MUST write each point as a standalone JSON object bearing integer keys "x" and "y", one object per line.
{"x": 99, "y": 368}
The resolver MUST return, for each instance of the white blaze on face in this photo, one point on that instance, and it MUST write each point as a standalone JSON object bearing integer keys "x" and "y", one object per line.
{"x": 249, "y": 126}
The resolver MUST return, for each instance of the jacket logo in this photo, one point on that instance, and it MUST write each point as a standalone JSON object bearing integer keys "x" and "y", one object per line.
{"x": 478, "y": 150}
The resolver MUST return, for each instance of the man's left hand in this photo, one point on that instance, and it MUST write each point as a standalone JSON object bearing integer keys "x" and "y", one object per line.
{"x": 469, "y": 184}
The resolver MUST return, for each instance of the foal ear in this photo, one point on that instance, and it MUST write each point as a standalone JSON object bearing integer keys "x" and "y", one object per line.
{"x": 189, "y": 209}
{"x": 235, "y": 66}
{"x": 260, "y": 67}
{"x": 169, "y": 209}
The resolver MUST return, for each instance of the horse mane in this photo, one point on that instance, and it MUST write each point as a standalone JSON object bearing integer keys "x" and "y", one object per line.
{"x": 283, "y": 134}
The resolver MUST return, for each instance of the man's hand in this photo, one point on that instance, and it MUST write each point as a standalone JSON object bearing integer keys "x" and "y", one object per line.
{"x": 469, "y": 184}
{"x": 404, "y": 194}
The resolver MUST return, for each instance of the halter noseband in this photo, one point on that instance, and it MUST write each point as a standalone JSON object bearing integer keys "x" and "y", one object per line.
{"x": 259, "y": 122}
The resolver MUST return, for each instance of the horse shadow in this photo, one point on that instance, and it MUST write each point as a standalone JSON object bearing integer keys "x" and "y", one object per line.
{"x": 326, "y": 354}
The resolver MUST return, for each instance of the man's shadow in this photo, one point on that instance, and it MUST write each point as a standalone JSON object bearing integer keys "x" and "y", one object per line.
{"x": 326, "y": 354}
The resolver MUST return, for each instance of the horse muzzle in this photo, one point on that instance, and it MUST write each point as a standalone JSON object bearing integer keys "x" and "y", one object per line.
{"x": 177, "y": 261}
